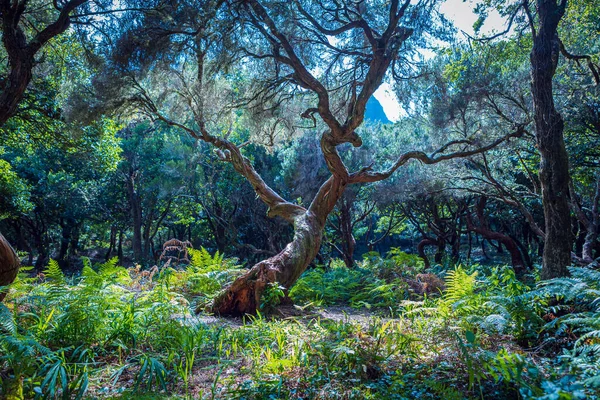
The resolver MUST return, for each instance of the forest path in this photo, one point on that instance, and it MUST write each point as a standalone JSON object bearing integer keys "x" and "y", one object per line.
{"x": 363, "y": 316}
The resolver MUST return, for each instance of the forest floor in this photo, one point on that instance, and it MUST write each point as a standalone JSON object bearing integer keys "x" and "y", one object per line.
{"x": 367, "y": 333}
{"x": 369, "y": 352}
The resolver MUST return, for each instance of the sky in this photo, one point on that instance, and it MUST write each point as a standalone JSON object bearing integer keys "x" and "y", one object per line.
{"x": 459, "y": 12}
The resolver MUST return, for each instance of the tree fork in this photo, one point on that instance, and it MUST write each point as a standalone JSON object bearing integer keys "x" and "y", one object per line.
{"x": 243, "y": 295}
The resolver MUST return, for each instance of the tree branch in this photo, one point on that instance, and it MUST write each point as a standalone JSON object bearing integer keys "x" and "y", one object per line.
{"x": 365, "y": 175}
{"x": 229, "y": 152}
{"x": 593, "y": 68}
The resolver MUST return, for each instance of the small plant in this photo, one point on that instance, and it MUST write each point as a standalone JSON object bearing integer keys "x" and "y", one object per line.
{"x": 367, "y": 286}
{"x": 183, "y": 355}
{"x": 69, "y": 379}
{"x": 151, "y": 374}
{"x": 206, "y": 275}
{"x": 271, "y": 296}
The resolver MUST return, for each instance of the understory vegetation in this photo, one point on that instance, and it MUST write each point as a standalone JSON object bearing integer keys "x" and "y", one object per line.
{"x": 373, "y": 332}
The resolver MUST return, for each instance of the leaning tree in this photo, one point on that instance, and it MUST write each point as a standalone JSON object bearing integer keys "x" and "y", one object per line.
{"x": 271, "y": 62}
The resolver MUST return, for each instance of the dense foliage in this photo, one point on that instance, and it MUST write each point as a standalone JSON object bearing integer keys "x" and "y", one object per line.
{"x": 164, "y": 164}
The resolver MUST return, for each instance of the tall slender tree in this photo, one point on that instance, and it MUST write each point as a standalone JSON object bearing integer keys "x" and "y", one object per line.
{"x": 549, "y": 127}
{"x": 542, "y": 18}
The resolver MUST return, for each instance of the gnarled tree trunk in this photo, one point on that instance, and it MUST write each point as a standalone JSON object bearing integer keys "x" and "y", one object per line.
{"x": 483, "y": 229}
{"x": 136, "y": 216}
{"x": 243, "y": 296}
{"x": 9, "y": 265}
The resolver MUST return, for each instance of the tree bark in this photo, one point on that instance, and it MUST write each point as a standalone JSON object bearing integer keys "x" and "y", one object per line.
{"x": 549, "y": 125}
{"x": 120, "y": 247}
{"x": 524, "y": 251}
{"x": 9, "y": 265}
{"x": 66, "y": 233}
{"x": 243, "y": 296}
{"x": 41, "y": 244}
{"x": 441, "y": 250}
{"x": 421, "y": 250}
{"x": 589, "y": 227}
{"x": 346, "y": 230}
{"x": 112, "y": 242}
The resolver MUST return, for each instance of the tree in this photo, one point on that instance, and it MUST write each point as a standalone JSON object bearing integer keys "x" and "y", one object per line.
{"x": 22, "y": 51}
{"x": 546, "y": 48}
{"x": 292, "y": 64}
{"x": 21, "y": 54}
{"x": 549, "y": 126}
{"x": 63, "y": 191}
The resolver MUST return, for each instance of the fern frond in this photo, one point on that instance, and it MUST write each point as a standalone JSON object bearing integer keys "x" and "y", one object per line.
{"x": 7, "y": 321}
{"x": 459, "y": 284}
{"x": 54, "y": 274}
{"x": 108, "y": 267}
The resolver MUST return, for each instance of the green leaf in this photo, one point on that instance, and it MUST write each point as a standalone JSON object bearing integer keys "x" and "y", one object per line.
{"x": 470, "y": 335}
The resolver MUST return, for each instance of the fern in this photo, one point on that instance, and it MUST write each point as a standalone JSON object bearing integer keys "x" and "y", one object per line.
{"x": 581, "y": 293}
{"x": 206, "y": 275}
{"x": 582, "y": 289}
{"x": 459, "y": 284}
{"x": 203, "y": 261}
{"x": 7, "y": 321}
{"x": 460, "y": 297}
{"x": 54, "y": 274}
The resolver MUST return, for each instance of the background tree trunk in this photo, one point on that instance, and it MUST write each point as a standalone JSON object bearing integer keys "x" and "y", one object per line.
{"x": 484, "y": 229}
{"x": 346, "y": 228}
{"x": 549, "y": 125}
{"x": 421, "y": 250}
{"x": 112, "y": 243}
{"x": 65, "y": 241}
{"x": 136, "y": 216}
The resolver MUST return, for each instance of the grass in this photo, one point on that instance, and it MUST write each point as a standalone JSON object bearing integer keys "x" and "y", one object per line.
{"x": 125, "y": 333}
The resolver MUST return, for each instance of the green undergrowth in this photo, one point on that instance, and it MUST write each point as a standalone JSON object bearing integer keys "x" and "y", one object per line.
{"x": 113, "y": 332}
{"x": 375, "y": 282}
